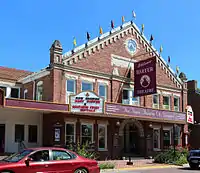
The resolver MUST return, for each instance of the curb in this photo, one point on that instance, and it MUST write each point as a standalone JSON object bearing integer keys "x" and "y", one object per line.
{"x": 142, "y": 168}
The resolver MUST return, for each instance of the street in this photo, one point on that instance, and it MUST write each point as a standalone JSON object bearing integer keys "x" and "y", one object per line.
{"x": 163, "y": 170}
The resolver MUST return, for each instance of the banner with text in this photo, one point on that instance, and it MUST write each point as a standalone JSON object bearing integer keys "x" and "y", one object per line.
{"x": 145, "y": 77}
{"x": 86, "y": 102}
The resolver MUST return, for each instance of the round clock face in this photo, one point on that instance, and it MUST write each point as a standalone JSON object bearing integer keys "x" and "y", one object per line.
{"x": 131, "y": 46}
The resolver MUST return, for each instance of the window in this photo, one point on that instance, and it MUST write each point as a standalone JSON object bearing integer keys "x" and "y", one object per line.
{"x": 60, "y": 155}
{"x": 86, "y": 133}
{"x": 14, "y": 93}
{"x": 166, "y": 102}
{"x": 19, "y": 132}
{"x": 40, "y": 156}
{"x": 39, "y": 91}
{"x": 25, "y": 93}
{"x": 4, "y": 89}
{"x": 103, "y": 90}
{"x": 32, "y": 133}
{"x": 70, "y": 132}
{"x": 87, "y": 86}
{"x": 156, "y": 139}
{"x": 102, "y": 137}
{"x": 166, "y": 139}
{"x": 70, "y": 88}
{"x": 177, "y": 135}
{"x": 156, "y": 101}
{"x": 128, "y": 97}
{"x": 176, "y": 103}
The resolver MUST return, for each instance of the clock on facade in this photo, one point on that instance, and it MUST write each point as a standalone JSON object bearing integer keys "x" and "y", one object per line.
{"x": 131, "y": 46}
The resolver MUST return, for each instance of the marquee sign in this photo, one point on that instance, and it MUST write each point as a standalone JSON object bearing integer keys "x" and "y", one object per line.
{"x": 190, "y": 115}
{"x": 86, "y": 102}
{"x": 145, "y": 77}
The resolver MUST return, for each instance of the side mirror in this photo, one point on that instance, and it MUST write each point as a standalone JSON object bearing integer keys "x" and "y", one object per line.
{"x": 27, "y": 161}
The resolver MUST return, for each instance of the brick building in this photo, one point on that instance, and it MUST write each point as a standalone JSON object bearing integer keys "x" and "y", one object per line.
{"x": 101, "y": 73}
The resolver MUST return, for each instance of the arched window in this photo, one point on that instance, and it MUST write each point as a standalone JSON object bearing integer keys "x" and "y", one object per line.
{"x": 39, "y": 90}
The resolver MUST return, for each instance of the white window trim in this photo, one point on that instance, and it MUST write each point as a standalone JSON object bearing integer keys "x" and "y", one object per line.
{"x": 106, "y": 87}
{"x": 88, "y": 83}
{"x": 169, "y": 102}
{"x": 74, "y": 123}
{"x": 158, "y": 101}
{"x": 106, "y": 137}
{"x": 178, "y": 102}
{"x": 157, "y": 149}
{"x": 11, "y": 89}
{"x": 131, "y": 102}
{"x": 84, "y": 123}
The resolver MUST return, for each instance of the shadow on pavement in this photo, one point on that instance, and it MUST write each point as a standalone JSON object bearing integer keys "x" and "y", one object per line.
{"x": 189, "y": 169}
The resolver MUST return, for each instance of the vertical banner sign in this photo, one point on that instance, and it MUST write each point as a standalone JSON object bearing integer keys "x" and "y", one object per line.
{"x": 190, "y": 115}
{"x": 145, "y": 77}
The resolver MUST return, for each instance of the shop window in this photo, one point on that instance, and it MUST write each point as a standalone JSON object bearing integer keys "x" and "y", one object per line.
{"x": 14, "y": 93}
{"x": 156, "y": 101}
{"x": 103, "y": 90}
{"x": 86, "y": 133}
{"x": 166, "y": 139}
{"x": 166, "y": 102}
{"x": 70, "y": 88}
{"x": 19, "y": 132}
{"x": 102, "y": 136}
{"x": 4, "y": 89}
{"x": 156, "y": 139}
{"x": 128, "y": 97}
{"x": 25, "y": 94}
{"x": 39, "y": 91}
{"x": 70, "y": 132}
{"x": 87, "y": 86}
{"x": 177, "y": 135}
{"x": 32, "y": 133}
{"x": 60, "y": 155}
{"x": 176, "y": 103}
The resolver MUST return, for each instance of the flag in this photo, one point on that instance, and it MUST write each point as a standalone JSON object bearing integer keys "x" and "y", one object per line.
{"x": 88, "y": 36}
{"x": 134, "y": 15}
{"x": 169, "y": 59}
{"x": 123, "y": 19}
{"x": 112, "y": 24}
{"x": 161, "y": 49}
{"x": 100, "y": 31}
{"x": 151, "y": 38}
{"x": 142, "y": 28}
{"x": 177, "y": 69}
{"x": 74, "y": 42}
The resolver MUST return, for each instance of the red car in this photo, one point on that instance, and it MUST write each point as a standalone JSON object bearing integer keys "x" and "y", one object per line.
{"x": 47, "y": 160}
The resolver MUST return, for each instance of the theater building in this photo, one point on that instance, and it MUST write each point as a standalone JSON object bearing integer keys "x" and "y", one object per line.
{"x": 87, "y": 94}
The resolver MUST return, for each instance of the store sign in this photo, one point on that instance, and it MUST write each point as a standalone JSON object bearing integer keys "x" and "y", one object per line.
{"x": 144, "y": 113}
{"x": 1, "y": 97}
{"x": 86, "y": 102}
{"x": 190, "y": 115}
{"x": 145, "y": 77}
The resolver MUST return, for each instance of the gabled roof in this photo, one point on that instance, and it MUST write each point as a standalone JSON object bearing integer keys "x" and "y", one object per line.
{"x": 12, "y": 73}
{"x": 80, "y": 52}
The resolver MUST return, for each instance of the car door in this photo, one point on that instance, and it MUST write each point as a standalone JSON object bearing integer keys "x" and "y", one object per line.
{"x": 39, "y": 162}
{"x": 61, "y": 161}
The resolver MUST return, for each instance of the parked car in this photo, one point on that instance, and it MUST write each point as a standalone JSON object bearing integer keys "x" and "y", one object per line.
{"x": 58, "y": 160}
{"x": 194, "y": 159}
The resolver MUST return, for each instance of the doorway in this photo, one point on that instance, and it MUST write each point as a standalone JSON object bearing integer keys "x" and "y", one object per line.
{"x": 2, "y": 138}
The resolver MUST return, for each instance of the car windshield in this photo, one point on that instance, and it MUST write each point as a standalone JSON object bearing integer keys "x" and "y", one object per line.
{"x": 17, "y": 156}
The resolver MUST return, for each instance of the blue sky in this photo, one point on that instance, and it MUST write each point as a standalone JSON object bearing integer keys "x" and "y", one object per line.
{"x": 29, "y": 27}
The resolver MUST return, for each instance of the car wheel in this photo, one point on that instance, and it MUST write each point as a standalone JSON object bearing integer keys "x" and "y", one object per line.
{"x": 194, "y": 166}
{"x": 81, "y": 170}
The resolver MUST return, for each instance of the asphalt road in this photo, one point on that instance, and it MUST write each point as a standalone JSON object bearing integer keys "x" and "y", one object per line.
{"x": 163, "y": 170}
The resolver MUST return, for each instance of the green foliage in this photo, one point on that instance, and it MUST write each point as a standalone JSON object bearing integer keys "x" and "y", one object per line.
{"x": 179, "y": 158}
{"x": 107, "y": 165}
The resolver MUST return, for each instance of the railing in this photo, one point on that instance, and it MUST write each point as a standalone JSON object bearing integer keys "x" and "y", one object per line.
{"x": 21, "y": 146}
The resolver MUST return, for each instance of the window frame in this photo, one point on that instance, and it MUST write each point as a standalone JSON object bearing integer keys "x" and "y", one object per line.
{"x": 31, "y": 125}
{"x": 130, "y": 96}
{"x": 169, "y": 102}
{"x": 19, "y": 124}
{"x": 40, "y": 151}
{"x": 73, "y": 86}
{"x": 5, "y": 91}
{"x": 86, "y": 123}
{"x": 39, "y": 84}
{"x": 106, "y": 137}
{"x": 176, "y": 97}
{"x": 73, "y": 123}
{"x": 68, "y": 93}
{"x": 18, "y": 92}
{"x": 170, "y": 135}
{"x": 51, "y": 154}
{"x": 159, "y": 141}
{"x": 87, "y": 83}
{"x": 102, "y": 84}
{"x": 158, "y": 104}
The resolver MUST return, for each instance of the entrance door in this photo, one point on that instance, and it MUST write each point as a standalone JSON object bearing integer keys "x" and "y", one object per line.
{"x": 2, "y": 138}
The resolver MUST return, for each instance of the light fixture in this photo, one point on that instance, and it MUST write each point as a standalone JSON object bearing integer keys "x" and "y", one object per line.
{"x": 150, "y": 125}
{"x": 118, "y": 123}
